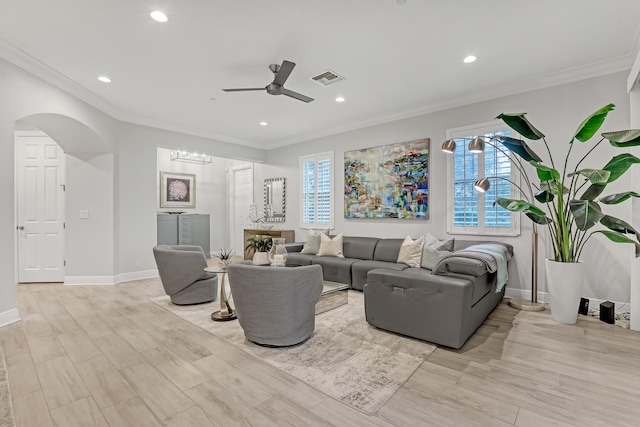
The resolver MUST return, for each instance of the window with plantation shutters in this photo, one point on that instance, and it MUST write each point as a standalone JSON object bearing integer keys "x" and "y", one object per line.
{"x": 473, "y": 212}
{"x": 317, "y": 191}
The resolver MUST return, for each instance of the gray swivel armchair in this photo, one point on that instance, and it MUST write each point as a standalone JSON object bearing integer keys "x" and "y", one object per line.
{"x": 181, "y": 269}
{"x": 276, "y": 305}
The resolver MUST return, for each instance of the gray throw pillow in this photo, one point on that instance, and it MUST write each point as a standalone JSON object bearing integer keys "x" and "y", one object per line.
{"x": 431, "y": 257}
{"x": 435, "y": 250}
{"x": 312, "y": 245}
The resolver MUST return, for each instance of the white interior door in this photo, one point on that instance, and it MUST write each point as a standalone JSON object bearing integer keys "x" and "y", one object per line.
{"x": 40, "y": 201}
{"x": 241, "y": 195}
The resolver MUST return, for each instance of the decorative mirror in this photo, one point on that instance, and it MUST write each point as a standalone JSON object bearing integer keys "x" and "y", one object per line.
{"x": 274, "y": 199}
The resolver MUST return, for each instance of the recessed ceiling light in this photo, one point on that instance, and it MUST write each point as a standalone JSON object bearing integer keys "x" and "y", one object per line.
{"x": 104, "y": 79}
{"x": 340, "y": 99}
{"x": 469, "y": 59}
{"x": 158, "y": 16}
{"x": 263, "y": 123}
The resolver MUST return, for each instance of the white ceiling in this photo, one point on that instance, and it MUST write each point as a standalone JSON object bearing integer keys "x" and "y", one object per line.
{"x": 398, "y": 60}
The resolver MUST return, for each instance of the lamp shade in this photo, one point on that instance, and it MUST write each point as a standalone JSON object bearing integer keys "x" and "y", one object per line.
{"x": 476, "y": 145}
{"x": 482, "y": 185}
{"x": 449, "y": 146}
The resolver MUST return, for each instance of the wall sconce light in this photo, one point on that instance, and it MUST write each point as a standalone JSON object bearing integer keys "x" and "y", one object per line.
{"x": 185, "y": 156}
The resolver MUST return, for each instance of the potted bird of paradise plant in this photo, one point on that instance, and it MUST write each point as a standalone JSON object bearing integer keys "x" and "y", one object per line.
{"x": 569, "y": 202}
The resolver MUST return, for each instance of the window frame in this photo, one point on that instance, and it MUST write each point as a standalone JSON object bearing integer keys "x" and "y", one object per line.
{"x": 315, "y": 158}
{"x": 481, "y": 228}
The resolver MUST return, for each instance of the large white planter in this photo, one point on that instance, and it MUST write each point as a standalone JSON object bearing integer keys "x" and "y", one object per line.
{"x": 564, "y": 283}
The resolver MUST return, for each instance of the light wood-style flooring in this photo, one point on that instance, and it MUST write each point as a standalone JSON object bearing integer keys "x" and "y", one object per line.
{"x": 107, "y": 356}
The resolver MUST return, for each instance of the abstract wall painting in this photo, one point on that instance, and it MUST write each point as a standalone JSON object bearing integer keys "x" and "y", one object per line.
{"x": 390, "y": 181}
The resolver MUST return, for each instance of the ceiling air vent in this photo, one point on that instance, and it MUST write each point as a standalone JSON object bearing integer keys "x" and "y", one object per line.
{"x": 327, "y": 77}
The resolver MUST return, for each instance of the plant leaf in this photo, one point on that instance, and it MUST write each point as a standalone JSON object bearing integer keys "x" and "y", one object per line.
{"x": 614, "y": 199}
{"x": 519, "y": 206}
{"x": 518, "y": 147}
{"x": 593, "y": 191}
{"x": 538, "y": 219}
{"x": 545, "y": 173}
{"x": 619, "y": 165}
{"x": 596, "y": 176}
{"x": 620, "y": 238}
{"x": 616, "y": 224}
{"x": 587, "y": 213}
{"x": 623, "y": 138}
{"x": 552, "y": 188}
{"x": 544, "y": 196}
{"x": 591, "y": 124}
{"x": 519, "y": 123}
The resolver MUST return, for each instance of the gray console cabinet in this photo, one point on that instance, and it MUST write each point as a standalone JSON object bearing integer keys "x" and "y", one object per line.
{"x": 185, "y": 229}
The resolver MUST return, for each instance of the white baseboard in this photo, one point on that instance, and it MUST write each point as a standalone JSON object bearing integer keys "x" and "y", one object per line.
{"x": 8, "y": 317}
{"x": 136, "y": 275}
{"x": 594, "y": 303}
{"x": 525, "y": 294}
{"x": 110, "y": 280}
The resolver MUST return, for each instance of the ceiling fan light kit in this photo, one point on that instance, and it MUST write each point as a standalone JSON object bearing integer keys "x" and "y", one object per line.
{"x": 276, "y": 87}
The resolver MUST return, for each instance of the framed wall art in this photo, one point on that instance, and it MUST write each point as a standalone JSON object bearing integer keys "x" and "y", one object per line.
{"x": 177, "y": 190}
{"x": 389, "y": 181}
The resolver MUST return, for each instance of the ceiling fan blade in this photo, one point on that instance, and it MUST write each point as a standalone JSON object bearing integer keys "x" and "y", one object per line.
{"x": 283, "y": 72}
{"x": 244, "y": 89}
{"x": 296, "y": 95}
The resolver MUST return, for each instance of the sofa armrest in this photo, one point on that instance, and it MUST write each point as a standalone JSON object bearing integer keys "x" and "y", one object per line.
{"x": 459, "y": 265}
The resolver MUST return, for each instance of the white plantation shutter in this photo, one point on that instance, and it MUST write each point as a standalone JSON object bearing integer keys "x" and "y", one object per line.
{"x": 472, "y": 212}
{"x": 317, "y": 184}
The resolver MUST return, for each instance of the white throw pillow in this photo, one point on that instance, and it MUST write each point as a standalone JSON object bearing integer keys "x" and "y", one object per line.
{"x": 411, "y": 251}
{"x": 330, "y": 247}
{"x": 312, "y": 245}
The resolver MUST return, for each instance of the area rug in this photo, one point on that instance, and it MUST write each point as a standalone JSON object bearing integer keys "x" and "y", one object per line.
{"x": 345, "y": 358}
{"x": 6, "y": 410}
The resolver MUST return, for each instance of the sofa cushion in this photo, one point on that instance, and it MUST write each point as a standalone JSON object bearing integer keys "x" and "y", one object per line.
{"x": 387, "y": 250}
{"x": 298, "y": 259}
{"x": 411, "y": 251}
{"x": 360, "y": 247}
{"x": 335, "y": 269}
{"x": 360, "y": 269}
{"x": 331, "y": 246}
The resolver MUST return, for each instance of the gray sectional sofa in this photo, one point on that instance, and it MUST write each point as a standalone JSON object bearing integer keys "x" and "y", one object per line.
{"x": 444, "y": 305}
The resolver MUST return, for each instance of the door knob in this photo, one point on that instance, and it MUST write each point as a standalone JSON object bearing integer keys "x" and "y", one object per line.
{"x": 20, "y": 227}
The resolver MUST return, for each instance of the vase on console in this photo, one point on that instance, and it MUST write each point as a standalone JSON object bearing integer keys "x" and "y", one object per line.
{"x": 278, "y": 252}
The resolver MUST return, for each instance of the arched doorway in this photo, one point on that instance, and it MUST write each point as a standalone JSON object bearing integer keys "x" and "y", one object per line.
{"x": 43, "y": 144}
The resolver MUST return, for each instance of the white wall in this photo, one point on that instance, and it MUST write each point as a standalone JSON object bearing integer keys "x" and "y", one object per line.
{"x": 555, "y": 111}
{"x": 211, "y": 193}
{"x": 89, "y": 186}
{"x": 112, "y": 173}
{"x": 634, "y": 96}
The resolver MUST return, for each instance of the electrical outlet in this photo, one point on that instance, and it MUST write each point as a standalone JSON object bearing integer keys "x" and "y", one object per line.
{"x": 138, "y": 263}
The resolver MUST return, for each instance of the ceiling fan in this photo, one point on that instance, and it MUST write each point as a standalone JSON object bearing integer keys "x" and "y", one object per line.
{"x": 281, "y": 74}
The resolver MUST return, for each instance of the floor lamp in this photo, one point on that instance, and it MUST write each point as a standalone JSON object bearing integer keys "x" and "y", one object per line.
{"x": 476, "y": 145}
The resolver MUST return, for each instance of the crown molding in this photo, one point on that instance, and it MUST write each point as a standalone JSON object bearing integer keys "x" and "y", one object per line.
{"x": 33, "y": 66}
{"x": 52, "y": 76}
{"x": 602, "y": 68}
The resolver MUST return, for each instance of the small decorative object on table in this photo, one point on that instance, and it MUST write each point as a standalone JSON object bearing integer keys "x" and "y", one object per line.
{"x": 253, "y": 216}
{"x": 278, "y": 252}
{"x": 226, "y": 312}
{"x": 260, "y": 246}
